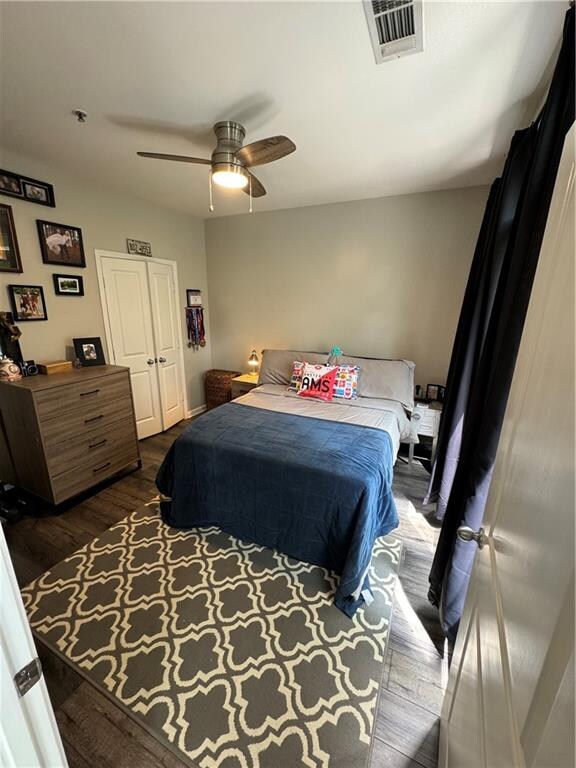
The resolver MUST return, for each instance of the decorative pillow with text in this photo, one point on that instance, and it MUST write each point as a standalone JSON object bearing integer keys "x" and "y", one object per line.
{"x": 318, "y": 381}
{"x": 296, "y": 378}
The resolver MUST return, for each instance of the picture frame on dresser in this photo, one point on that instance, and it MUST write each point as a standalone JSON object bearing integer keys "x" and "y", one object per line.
{"x": 89, "y": 351}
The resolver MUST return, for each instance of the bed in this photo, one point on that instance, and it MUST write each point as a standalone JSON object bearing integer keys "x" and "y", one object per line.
{"x": 308, "y": 478}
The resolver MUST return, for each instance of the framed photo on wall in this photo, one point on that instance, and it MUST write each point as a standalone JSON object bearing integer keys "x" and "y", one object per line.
{"x": 9, "y": 252}
{"x": 32, "y": 190}
{"x": 27, "y": 302}
{"x": 61, "y": 244}
{"x": 68, "y": 285}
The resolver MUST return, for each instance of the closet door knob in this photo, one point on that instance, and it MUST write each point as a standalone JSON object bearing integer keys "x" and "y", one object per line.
{"x": 150, "y": 361}
{"x": 161, "y": 359}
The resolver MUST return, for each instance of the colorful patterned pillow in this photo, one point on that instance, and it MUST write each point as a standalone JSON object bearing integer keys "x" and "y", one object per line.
{"x": 318, "y": 381}
{"x": 346, "y": 384}
{"x": 296, "y": 378}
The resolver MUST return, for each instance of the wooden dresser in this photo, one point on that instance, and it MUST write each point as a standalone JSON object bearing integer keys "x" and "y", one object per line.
{"x": 64, "y": 433}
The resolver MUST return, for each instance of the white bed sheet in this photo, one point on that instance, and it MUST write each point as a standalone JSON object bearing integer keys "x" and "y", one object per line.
{"x": 387, "y": 415}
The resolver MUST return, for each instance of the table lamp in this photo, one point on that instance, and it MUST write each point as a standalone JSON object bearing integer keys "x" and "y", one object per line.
{"x": 253, "y": 363}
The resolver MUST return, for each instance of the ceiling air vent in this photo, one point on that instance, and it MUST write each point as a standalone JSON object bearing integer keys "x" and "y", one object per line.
{"x": 395, "y": 27}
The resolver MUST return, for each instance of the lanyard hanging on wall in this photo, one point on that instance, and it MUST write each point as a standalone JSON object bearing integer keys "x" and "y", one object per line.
{"x": 195, "y": 327}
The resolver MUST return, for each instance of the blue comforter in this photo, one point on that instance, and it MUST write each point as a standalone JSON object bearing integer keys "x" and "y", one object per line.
{"x": 317, "y": 490}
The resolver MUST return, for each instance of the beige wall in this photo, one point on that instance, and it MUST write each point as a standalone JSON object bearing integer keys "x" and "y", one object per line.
{"x": 381, "y": 277}
{"x": 106, "y": 219}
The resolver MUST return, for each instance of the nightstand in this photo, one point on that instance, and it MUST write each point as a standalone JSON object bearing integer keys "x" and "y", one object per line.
{"x": 243, "y": 384}
{"x": 427, "y": 420}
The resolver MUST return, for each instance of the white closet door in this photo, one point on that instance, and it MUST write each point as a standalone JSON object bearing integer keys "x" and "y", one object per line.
{"x": 128, "y": 304}
{"x": 166, "y": 337}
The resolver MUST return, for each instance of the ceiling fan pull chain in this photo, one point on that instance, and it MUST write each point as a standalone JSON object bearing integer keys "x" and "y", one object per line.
{"x": 250, "y": 180}
{"x": 211, "y": 206}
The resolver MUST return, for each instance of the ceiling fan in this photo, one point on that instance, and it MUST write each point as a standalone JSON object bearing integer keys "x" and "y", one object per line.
{"x": 230, "y": 160}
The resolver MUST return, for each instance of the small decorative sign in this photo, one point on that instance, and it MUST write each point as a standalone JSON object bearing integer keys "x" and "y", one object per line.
{"x": 139, "y": 247}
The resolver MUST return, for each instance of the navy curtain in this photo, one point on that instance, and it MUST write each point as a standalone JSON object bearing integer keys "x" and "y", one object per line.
{"x": 489, "y": 333}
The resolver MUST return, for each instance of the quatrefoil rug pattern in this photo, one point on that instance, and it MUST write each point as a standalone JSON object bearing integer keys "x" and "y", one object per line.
{"x": 229, "y": 653}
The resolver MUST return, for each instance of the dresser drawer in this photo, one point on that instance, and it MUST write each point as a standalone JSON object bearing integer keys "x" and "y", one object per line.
{"x": 93, "y": 393}
{"x": 78, "y": 422}
{"x": 93, "y": 445}
{"x": 426, "y": 429}
{"x": 78, "y": 479}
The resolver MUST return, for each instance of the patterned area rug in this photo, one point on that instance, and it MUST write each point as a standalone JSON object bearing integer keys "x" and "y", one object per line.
{"x": 231, "y": 654}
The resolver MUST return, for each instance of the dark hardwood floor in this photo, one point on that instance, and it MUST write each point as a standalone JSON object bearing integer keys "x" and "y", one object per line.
{"x": 96, "y": 733}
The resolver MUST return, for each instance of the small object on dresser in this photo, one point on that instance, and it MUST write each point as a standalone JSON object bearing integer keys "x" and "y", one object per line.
{"x": 218, "y": 386}
{"x": 9, "y": 370}
{"x": 89, "y": 351}
{"x": 58, "y": 366}
{"x": 28, "y": 368}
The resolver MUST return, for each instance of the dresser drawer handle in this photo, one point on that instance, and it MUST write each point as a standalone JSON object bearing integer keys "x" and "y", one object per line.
{"x": 95, "y": 445}
{"x": 92, "y": 392}
{"x": 94, "y": 418}
{"x": 99, "y": 469}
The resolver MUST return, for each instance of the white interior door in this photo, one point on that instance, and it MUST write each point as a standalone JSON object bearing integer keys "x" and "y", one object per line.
{"x": 127, "y": 301}
{"x": 167, "y": 341}
{"x": 510, "y": 697}
{"x": 28, "y": 731}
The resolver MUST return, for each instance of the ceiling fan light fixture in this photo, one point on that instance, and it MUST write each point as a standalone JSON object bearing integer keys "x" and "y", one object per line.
{"x": 229, "y": 175}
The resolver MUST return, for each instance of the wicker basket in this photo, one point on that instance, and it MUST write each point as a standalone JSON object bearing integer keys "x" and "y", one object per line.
{"x": 217, "y": 385}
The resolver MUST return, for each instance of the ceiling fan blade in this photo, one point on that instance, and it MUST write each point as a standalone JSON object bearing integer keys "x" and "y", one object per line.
{"x": 257, "y": 187}
{"x": 265, "y": 150}
{"x": 178, "y": 158}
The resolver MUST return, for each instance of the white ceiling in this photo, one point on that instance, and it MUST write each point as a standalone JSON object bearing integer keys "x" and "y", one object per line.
{"x": 156, "y": 76}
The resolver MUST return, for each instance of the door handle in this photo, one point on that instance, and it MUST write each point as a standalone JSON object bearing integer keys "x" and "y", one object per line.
{"x": 469, "y": 534}
{"x": 150, "y": 361}
{"x": 161, "y": 359}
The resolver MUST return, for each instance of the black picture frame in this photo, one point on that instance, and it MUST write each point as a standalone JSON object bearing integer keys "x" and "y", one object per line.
{"x": 25, "y": 188}
{"x": 9, "y": 344}
{"x": 193, "y": 297}
{"x": 434, "y": 392}
{"x": 64, "y": 254}
{"x": 24, "y": 299}
{"x": 60, "y": 289}
{"x": 89, "y": 351}
{"x": 8, "y": 242}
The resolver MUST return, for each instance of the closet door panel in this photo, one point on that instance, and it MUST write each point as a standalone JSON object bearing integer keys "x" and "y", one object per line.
{"x": 164, "y": 317}
{"x": 127, "y": 299}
